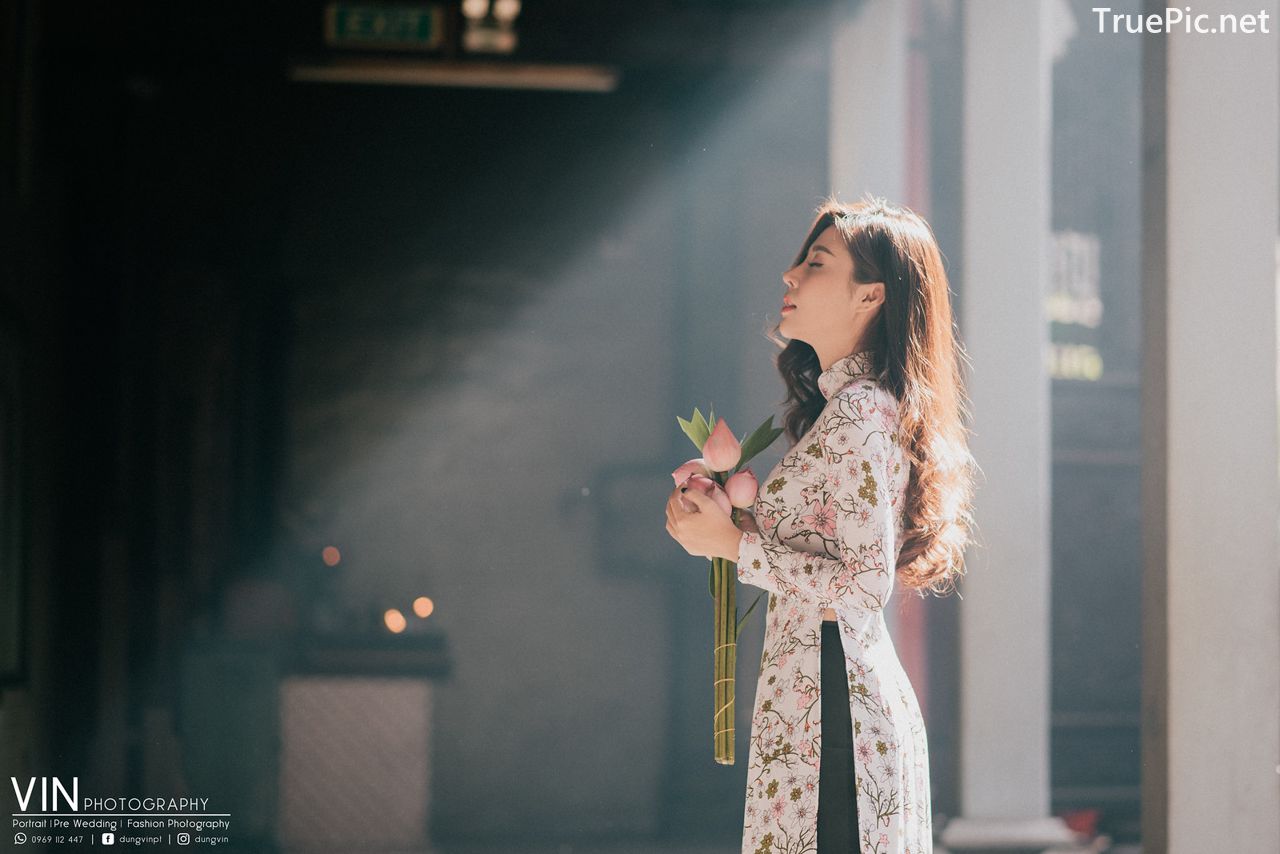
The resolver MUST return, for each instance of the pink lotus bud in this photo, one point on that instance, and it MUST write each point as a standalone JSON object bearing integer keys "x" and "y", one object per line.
{"x": 741, "y": 488}
{"x": 694, "y": 466}
{"x": 707, "y": 486}
{"x": 721, "y": 451}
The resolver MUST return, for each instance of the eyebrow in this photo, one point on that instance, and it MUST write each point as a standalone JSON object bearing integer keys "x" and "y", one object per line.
{"x": 818, "y": 247}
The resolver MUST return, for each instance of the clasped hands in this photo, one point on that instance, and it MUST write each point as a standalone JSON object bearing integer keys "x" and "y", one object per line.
{"x": 701, "y": 526}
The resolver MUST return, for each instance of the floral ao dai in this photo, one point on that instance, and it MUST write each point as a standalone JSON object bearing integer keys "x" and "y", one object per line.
{"x": 830, "y": 516}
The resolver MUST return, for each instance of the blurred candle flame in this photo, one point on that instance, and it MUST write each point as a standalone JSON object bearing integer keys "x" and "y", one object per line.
{"x": 395, "y": 620}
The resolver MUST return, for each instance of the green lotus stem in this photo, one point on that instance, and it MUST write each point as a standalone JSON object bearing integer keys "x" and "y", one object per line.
{"x": 725, "y": 655}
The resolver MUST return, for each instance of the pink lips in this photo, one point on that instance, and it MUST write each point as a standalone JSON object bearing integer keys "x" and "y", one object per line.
{"x": 787, "y": 307}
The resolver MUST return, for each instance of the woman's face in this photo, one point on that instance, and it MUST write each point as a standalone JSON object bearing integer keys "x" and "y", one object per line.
{"x": 830, "y": 311}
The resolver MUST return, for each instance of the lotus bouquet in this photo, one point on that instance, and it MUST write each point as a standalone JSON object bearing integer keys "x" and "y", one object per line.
{"x": 720, "y": 473}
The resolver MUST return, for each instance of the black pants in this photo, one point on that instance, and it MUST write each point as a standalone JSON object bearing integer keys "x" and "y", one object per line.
{"x": 837, "y": 802}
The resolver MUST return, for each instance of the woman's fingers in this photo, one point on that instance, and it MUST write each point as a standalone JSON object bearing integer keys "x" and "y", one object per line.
{"x": 675, "y": 501}
{"x": 671, "y": 511}
{"x": 672, "y": 518}
{"x": 682, "y": 502}
{"x": 677, "y": 504}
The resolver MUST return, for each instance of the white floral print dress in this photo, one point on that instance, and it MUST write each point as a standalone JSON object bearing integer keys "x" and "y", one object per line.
{"x": 830, "y": 518}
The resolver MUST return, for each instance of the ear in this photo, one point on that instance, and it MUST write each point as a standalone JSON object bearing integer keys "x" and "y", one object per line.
{"x": 872, "y": 294}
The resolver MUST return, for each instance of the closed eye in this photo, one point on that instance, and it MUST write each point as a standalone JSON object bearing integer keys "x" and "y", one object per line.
{"x": 814, "y": 264}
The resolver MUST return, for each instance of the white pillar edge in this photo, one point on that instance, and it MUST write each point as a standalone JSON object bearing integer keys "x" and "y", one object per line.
{"x": 868, "y": 122}
{"x": 1222, "y": 410}
{"x": 1009, "y": 47}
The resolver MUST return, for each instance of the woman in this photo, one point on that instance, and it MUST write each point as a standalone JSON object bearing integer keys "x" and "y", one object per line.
{"x": 876, "y": 486}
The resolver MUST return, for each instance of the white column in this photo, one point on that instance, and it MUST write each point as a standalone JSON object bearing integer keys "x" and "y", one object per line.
{"x": 1211, "y": 746}
{"x": 869, "y": 101}
{"x": 1009, "y": 47}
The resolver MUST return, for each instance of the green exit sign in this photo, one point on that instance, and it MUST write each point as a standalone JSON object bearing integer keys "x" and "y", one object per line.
{"x": 384, "y": 26}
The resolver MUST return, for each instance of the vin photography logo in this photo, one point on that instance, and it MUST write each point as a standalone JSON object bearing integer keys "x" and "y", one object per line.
{"x": 52, "y": 812}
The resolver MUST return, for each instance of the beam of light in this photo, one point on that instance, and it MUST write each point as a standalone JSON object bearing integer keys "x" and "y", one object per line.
{"x": 460, "y": 420}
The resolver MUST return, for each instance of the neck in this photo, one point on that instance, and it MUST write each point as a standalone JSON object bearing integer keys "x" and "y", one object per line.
{"x": 830, "y": 354}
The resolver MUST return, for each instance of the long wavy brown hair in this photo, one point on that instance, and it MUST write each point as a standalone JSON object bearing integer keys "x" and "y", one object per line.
{"x": 917, "y": 357}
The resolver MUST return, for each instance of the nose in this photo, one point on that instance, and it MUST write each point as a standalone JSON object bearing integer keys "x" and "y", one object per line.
{"x": 788, "y": 279}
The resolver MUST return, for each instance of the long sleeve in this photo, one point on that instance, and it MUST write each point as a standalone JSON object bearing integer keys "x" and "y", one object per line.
{"x": 843, "y": 508}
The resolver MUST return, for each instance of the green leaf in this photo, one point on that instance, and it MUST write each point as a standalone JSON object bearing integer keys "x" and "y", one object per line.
{"x": 700, "y": 421}
{"x": 761, "y": 438}
{"x": 711, "y": 580}
{"x": 696, "y": 429}
{"x": 691, "y": 429}
{"x": 738, "y": 630}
